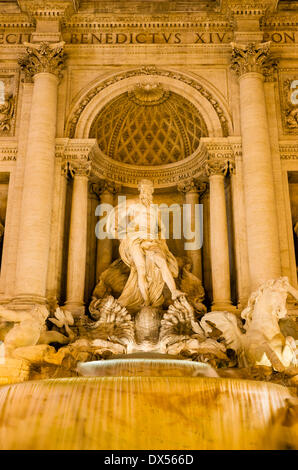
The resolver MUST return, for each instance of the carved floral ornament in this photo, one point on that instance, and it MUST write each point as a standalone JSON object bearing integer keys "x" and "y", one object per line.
{"x": 253, "y": 58}
{"x": 43, "y": 57}
{"x": 146, "y": 71}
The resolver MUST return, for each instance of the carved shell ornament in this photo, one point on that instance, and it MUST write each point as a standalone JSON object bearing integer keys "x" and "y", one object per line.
{"x": 149, "y": 94}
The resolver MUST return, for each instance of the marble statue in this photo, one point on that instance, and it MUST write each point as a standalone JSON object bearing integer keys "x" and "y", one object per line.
{"x": 144, "y": 250}
{"x": 181, "y": 333}
{"x": 113, "y": 280}
{"x": 29, "y": 328}
{"x": 261, "y": 342}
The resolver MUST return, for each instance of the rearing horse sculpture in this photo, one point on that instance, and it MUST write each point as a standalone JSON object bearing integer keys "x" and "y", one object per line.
{"x": 262, "y": 343}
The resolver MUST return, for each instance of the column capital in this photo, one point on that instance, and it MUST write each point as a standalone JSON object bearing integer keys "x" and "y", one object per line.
{"x": 43, "y": 57}
{"x": 80, "y": 168}
{"x": 252, "y": 58}
{"x": 216, "y": 166}
{"x": 192, "y": 185}
{"x": 103, "y": 186}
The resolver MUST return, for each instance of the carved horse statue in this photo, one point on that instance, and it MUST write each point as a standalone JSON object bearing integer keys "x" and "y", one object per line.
{"x": 261, "y": 342}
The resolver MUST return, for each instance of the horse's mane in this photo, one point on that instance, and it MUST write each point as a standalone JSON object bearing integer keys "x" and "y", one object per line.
{"x": 272, "y": 284}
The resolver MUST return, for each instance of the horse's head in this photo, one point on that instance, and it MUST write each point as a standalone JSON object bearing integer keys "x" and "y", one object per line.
{"x": 269, "y": 299}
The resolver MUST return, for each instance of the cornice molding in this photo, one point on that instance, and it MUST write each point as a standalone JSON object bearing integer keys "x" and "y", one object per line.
{"x": 48, "y": 9}
{"x": 78, "y": 153}
{"x": 8, "y": 151}
{"x": 288, "y": 150}
{"x": 248, "y": 8}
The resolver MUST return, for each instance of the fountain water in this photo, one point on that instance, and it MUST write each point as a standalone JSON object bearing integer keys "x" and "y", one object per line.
{"x": 145, "y": 411}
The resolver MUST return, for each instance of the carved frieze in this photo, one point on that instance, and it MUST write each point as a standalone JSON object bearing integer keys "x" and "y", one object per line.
{"x": 43, "y": 57}
{"x": 288, "y": 150}
{"x": 252, "y": 58}
{"x": 288, "y": 81}
{"x": 8, "y": 153}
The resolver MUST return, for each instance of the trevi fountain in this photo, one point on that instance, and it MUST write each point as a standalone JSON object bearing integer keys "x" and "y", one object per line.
{"x": 148, "y": 224}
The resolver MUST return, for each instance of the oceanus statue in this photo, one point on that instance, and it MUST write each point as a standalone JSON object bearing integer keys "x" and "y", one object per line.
{"x": 144, "y": 250}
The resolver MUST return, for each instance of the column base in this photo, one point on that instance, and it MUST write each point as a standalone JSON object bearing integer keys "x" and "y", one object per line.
{"x": 223, "y": 305}
{"x": 25, "y": 301}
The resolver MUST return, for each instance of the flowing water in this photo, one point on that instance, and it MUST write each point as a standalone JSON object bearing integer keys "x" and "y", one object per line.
{"x": 145, "y": 412}
{"x": 145, "y": 367}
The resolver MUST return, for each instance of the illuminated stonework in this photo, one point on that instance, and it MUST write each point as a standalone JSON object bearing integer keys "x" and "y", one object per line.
{"x": 200, "y": 98}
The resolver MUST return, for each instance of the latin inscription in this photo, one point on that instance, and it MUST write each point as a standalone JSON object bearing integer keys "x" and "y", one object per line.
{"x": 146, "y": 37}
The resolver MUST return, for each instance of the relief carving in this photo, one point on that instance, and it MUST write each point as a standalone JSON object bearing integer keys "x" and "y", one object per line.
{"x": 7, "y": 110}
{"x": 289, "y": 104}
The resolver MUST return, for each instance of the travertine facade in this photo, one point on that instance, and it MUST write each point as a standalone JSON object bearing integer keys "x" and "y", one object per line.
{"x": 200, "y": 97}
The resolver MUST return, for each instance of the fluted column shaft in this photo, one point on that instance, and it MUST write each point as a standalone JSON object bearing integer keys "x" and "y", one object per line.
{"x": 220, "y": 263}
{"x": 77, "y": 248}
{"x": 260, "y": 205}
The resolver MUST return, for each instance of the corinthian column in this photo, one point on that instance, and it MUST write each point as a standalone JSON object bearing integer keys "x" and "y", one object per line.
{"x": 192, "y": 190}
{"x": 216, "y": 169}
{"x": 105, "y": 191}
{"x": 77, "y": 247}
{"x": 251, "y": 63}
{"x": 43, "y": 63}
